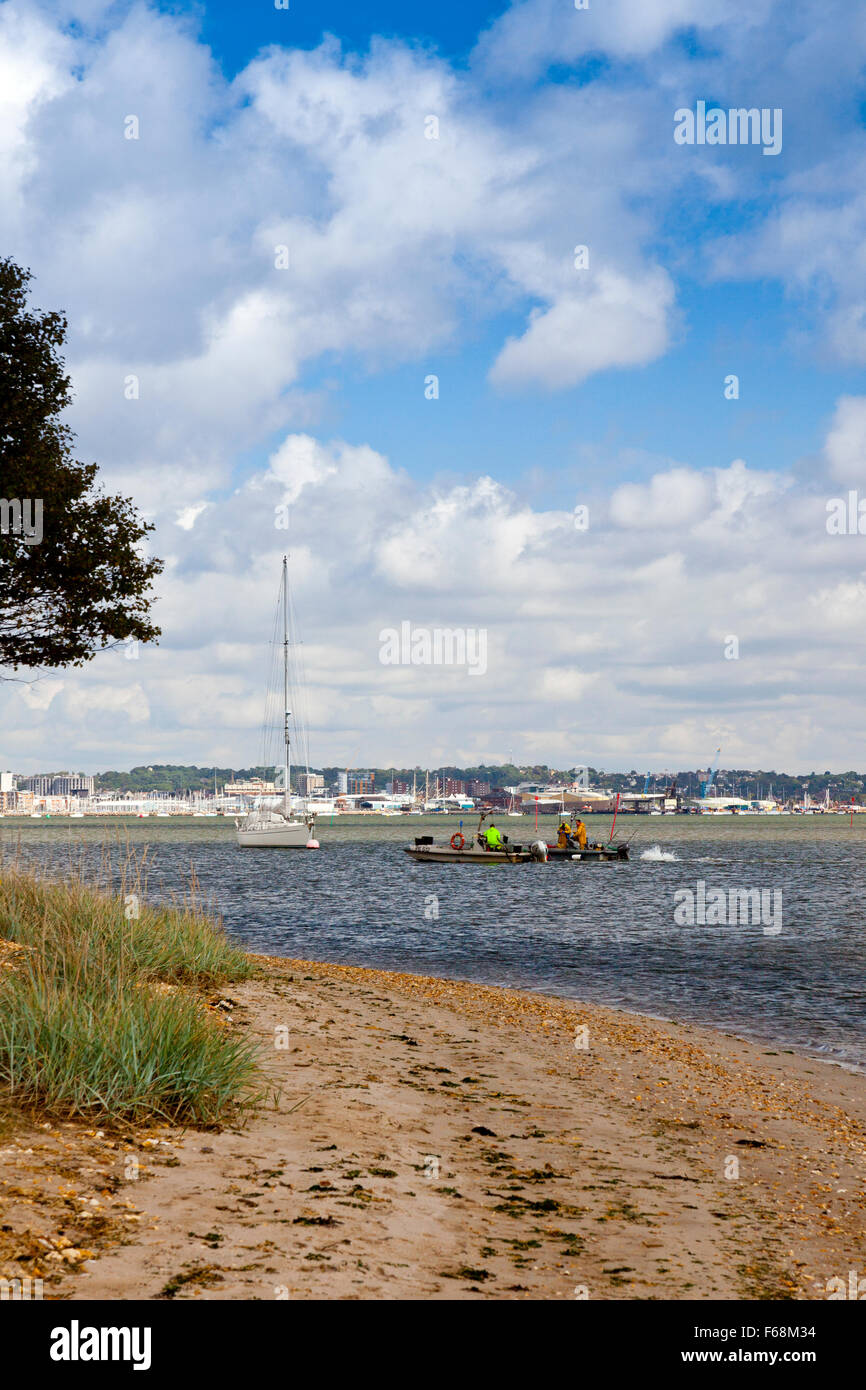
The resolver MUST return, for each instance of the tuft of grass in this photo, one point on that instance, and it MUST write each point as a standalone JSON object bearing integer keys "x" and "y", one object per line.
{"x": 100, "y": 1013}
{"x": 176, "y": 945}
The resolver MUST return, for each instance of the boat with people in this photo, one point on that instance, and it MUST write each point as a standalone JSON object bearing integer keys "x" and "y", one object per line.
{"x": 572, "y": 844}
{"x": 279, "y": 827}
{"x": 594, "y": 853}
{"x": 484, "y": 847}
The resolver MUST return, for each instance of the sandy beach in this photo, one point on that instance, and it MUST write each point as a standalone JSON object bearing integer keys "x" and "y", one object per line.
{"x": 428, "y": 1139}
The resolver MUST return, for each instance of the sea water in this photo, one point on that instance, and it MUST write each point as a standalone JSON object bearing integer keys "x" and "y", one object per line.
{"x": 602, "y": 932}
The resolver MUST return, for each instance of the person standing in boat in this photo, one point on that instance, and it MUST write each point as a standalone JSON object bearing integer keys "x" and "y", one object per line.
{"x": 578, "y": 833}
{"x": 563, "y": 834}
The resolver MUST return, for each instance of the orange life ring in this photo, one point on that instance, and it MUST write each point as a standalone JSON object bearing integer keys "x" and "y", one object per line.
{"x": 457, "y": 840}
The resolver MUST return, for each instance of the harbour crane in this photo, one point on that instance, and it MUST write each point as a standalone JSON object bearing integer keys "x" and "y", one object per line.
{"x": 705, "y": 789}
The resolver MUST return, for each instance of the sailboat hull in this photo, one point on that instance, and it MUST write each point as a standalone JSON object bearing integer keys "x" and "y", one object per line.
{"x": 292, "y": 835}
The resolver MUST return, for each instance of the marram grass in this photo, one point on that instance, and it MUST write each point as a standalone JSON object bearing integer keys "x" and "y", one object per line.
{"x": 87, "y": 1026}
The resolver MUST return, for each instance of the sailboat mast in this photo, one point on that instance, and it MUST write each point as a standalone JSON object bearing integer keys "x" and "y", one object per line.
{"x": 287, "y": 769}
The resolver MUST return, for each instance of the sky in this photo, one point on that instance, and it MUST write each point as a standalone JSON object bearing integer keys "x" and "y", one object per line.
{"x": 432, "y": 298}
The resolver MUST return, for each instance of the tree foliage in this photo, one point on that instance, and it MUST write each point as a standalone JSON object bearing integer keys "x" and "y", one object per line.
{"x": 81, "y": 580}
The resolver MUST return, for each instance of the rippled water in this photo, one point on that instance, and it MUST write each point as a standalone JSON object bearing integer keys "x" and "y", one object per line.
{"x": 601, "y": 932}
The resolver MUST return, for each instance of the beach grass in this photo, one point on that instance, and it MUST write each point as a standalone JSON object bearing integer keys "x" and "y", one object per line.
{"x": 102, "y": 1008}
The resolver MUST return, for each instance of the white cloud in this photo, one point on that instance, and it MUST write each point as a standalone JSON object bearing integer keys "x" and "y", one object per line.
{"x": 845, "y": 448}
{"x": 533, "y": 33}
{"x": 34, "y": 58}
{"x": 617, "y": 322}
{"x": 187, "y": 518}
{"x": 163, "y": 252}
{"x": 163, "y": 249}
{"x": 602, "y": 645}
{"x": 669, "y": 500}
{"x": 99, "y": 699}
{"x": 713, "y": 503}
{"x": 40, "y": 694}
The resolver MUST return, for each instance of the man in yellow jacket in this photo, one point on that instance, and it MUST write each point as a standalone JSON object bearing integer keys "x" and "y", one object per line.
{"x": 493, "y": 837}
{"x": 578, "y": 833}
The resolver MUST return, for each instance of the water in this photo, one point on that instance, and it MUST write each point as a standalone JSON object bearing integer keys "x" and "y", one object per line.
{"x": 599, "y": 932}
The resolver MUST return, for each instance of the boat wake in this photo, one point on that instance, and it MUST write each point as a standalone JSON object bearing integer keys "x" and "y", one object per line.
{"x": 660, "y": 855}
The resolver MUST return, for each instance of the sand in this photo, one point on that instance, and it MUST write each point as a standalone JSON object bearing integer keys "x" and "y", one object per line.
{"x": 428, "y": 1139}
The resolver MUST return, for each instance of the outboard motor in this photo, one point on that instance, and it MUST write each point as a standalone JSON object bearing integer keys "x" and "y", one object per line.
{"x": 538, "y": 850}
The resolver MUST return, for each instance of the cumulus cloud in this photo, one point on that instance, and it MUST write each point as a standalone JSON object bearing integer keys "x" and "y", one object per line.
{"x": 845, "y": 448}
{"x": 618, "y": 322}
{"x": 40, "y": 694}
{"x": 534, "y": 33}
{"x": 299, "y": 210}
{"x": 711, "y": 503}
{"x": 669, "y": 499}
{"x": 619, "y": 627}
{"x": 297, "y": 215}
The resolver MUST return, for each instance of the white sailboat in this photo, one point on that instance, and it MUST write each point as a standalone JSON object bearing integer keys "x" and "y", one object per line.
{"x": 267, "y": 827}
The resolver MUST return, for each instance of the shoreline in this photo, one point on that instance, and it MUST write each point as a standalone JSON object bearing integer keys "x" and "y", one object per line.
{"x": 438, "y": 1139}
{"x": 640, "y": 1015}
{"x": 757, "y": 1040}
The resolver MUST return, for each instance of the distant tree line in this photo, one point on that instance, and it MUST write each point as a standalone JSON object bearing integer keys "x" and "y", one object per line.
{"x": 176, "y": 778}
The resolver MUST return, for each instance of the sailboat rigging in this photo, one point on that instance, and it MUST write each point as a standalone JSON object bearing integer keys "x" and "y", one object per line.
{"x": 266, "y": 827}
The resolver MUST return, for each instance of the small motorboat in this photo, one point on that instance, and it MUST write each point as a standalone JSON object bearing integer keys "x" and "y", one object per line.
{"x": 473, "y": 849}
{"x": 592, "y": 853}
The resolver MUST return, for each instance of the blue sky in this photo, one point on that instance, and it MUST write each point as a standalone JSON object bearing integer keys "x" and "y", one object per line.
{"x": 236, "y": 33}
{"x": 449, "y": 250}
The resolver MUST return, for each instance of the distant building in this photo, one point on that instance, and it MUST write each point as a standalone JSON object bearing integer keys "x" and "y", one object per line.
{"x": 498, "y": 798}
{"x": 362, "y": 785}
{"x": 253, "y": 786}
{"x": 476, "y": 788}
{"x": 454, "y": 787}
{"x": 342, "y": 783}
{"x": 40, "y": 784}
{"x": 310, "y": 782}
{"x": 8, "y": 793}
{"x": 71, "y": 784}
{"x": 56, "y": 784}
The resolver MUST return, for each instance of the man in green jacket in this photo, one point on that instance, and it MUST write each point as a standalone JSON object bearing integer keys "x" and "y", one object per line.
{"x": 493, "y": 837}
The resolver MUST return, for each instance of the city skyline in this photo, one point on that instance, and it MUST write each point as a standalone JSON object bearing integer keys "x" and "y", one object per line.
{"x": 448, "y": 775}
